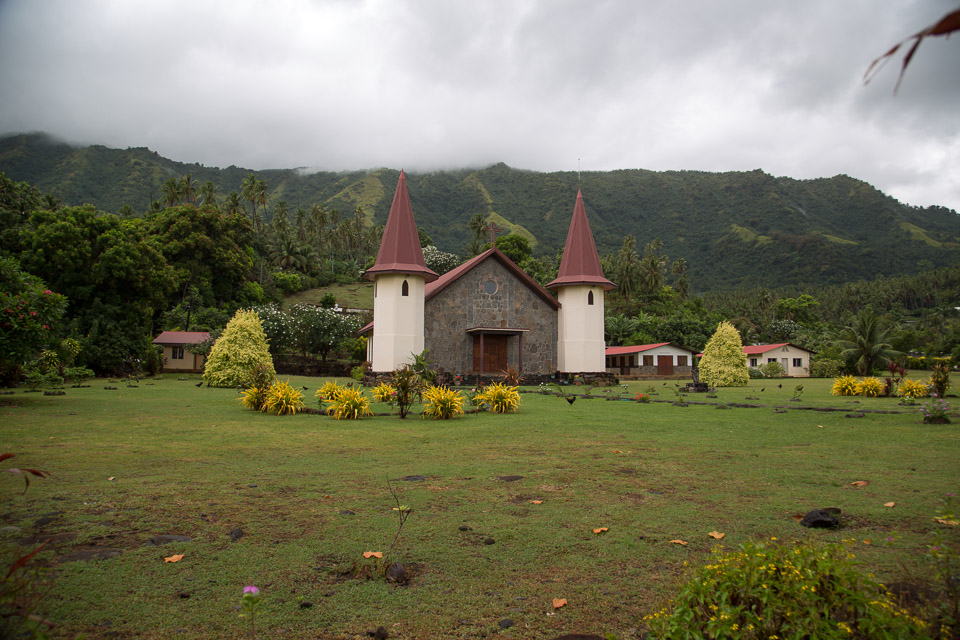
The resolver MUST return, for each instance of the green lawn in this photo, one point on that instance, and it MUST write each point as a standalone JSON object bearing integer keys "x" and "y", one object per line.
{"x": 356, "y": 295}
{"x": 311, "y": 494}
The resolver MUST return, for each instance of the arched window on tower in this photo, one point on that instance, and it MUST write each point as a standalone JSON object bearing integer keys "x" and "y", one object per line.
{"x": 405, "y": 289}
{"x": 590, "y": 297}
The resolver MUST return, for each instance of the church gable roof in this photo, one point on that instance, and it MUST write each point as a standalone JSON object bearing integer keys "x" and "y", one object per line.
{"x": 580, "y": 263}
{"x": 400, "y": 250}
{"x": 453, "y": 275}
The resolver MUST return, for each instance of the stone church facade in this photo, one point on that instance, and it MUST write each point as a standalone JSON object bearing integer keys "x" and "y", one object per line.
{"x": 486, "y": 315}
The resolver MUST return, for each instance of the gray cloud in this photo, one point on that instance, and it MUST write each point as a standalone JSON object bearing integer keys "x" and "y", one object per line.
{"x": 428, "y": 84}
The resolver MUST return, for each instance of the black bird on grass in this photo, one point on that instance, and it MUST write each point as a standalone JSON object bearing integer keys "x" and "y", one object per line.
{"x": 780, "y": 386}
{"x": 570, "y": 399}
{"x": 200, "y": 384}
{"x": 305, "y": 389}
{"x": 762, "y": 389}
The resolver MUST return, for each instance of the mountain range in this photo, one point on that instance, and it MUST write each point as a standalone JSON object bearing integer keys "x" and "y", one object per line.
{"x": 736, "y": 228}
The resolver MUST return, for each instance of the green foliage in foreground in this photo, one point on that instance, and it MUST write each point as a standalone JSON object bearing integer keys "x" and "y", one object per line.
{"x": 190, "y": 460}
{"x": 766, "y": 590}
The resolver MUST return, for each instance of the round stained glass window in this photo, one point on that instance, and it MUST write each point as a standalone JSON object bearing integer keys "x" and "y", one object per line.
{"x": 490, "y": 287}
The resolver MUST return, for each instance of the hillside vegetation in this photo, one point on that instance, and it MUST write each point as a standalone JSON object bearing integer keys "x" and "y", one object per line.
{"x": 733, "y": 229}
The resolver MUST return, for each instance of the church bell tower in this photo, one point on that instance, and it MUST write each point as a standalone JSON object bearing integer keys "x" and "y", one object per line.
{"x": 399, "y": 275}
{"x": 580, "y": 287}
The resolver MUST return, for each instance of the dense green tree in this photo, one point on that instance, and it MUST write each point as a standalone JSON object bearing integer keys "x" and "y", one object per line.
{"x": 208, "y": 194}
{"x": 515, "y": 247}
{"x": 30, "y": 316}
{"x": 618, "y": 328}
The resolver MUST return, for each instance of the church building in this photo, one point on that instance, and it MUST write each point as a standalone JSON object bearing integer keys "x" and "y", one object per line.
{"x": 486, "y": 315}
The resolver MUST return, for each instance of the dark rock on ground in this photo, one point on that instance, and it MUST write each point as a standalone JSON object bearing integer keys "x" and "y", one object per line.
{"x": 509, "y": 478}
{"x": 379, "y": 634}
{"x": 819, "y": 519}
{"x": 167, "y": 538}
{"x": 506, "y": 623}
{"x": 396, "y": 572}
{"x": 235, "y": 534}
{"x": 413, "y": 479}
{"x": 306, "y": 605}
{"x": 464, "y": 527}
{"x": 96, "y": 553}
{"x": 578, "y": 636}
{"x": 347, "y": 512}
{"x": 489, "y": 541}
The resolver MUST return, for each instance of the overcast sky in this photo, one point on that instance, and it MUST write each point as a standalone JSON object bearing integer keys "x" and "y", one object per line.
{"x": 352, "y": 84}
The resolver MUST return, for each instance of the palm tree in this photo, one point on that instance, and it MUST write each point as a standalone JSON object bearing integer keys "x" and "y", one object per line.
{"x": 188, "y": 188}
{"x": 619, "y": 328}
{"x": 171, "y": 192}
{"x": 866, "y": 343}
{"x": 209, "y": 193}
{"x": 232, "y": 203}
{"x": 249, "y": 191}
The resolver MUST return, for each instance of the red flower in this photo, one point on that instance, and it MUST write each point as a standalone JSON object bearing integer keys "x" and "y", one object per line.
{"x": 33, "y": 313}
{"x": 47, "y": 292}
{"x": 46, "y": 326}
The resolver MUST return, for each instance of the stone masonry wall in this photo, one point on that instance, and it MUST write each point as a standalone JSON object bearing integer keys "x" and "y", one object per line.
{"x": 465, "y": 304}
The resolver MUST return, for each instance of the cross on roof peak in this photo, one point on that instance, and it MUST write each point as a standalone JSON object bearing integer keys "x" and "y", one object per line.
{"x": 493, "y": 229}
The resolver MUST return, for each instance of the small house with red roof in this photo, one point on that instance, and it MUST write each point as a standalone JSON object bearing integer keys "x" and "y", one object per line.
{"x": 795, "y": 360}
{"x": 177, "y": 357}
{"x": 658, "y": 360}
{"x": 486, "y": 315}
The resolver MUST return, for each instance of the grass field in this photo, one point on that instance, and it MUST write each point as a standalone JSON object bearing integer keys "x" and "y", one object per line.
{"x": 356, "y": 295}
{"x": 310, "y": 494}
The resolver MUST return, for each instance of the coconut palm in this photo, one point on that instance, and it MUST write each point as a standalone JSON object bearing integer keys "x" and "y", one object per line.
{"x": 188, "y": 188}
{"x": 866, "y": 343}
{"x": 208, "y": 193}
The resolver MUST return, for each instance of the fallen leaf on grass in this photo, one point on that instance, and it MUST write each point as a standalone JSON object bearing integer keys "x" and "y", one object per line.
{"x": 373, "y": 554}
{"x": 945, "y": 521}
{"x": 889, "y": 504}
{"x": 819, "y": 426}
{"x": 860, "y": 483}
{"x": 716, "y": 535}
{"x": 797, "y": 516}
{"x": 559, "y": 602}
{"x": 683, "y": 542}
{"x": 617, "y": 451}
{"x": 176, "y": 558}
{"x": 111, "y": 478}
{"x": 600, "y": 530}
{"x": 536, "y": 502}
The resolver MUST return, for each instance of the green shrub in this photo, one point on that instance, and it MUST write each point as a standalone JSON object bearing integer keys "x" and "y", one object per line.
{"x": 723, "y": 363}
{"x": 773, "y": 370}
{"x": 78, "y": 375}
{"x": 754, "y": 372}
{"x": 242, "y": 347}
{"x": 287, "y": 282}
{"x": 768, "y": 590}
{"x": 825, "y": 367}
{"x": 913, "y": 389}
{"x": 441, "y": 403}
{"x": 940, "y": 379}
{"x": 350, "y": 404}
{"x": 500, "y": 398}
{"x": 870, "y": 387}
{"x": 357, "y": 372}
{"x": 328, "y": 301}
{"x": 844, "y": 386}
{"x": 282, "y": 399}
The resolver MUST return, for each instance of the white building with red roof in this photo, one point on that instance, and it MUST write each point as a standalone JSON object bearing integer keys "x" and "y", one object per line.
{"x": 658, "y": 360}
{"x": 795, "y": 360}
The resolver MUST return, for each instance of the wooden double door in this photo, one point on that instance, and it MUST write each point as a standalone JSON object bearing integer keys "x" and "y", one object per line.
{"x": 494, "y": 356}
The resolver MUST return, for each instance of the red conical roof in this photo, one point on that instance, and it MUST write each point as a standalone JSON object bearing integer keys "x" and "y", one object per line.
{"x": 580, "y": 263}
{"x": 400, "y": 250}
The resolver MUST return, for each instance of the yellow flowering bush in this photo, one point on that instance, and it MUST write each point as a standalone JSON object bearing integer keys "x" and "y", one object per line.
{"x": 383, "y": 392}
{"x": 282, "y": 399}
{"x": 770, "y": 590}
{"x": 442, "y": 403}
{"x": 350, "y": 404}
{"x": 913, "y": 389}
{"x": 723, "y": 363}
{"x": 844, "y": 386}
{"x": 330, "y": 391}
{"x": 241, "y": 349}
{"x": 870, "y": 387}
{"x": 500, "y": 398}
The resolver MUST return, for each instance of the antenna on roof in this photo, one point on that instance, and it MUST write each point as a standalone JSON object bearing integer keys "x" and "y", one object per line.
{"x": 578, "y": 173}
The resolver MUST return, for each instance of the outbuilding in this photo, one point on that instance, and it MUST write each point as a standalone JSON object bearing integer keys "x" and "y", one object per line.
{"x": 658, "y": 360}
{"x": 795, "y": 360}
{"x": 177, "y": 358}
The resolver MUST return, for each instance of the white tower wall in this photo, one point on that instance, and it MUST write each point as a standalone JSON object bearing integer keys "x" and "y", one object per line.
{"x": 581, "y": 347}
{"x": 398, "y": 331}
